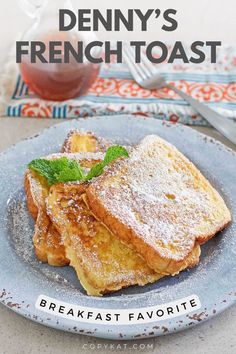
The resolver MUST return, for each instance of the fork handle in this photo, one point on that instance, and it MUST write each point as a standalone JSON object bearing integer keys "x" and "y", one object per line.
{"x": 219, "y": 122}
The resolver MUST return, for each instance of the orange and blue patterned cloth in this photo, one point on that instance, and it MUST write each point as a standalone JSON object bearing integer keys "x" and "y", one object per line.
{"x": 115, "y": 92}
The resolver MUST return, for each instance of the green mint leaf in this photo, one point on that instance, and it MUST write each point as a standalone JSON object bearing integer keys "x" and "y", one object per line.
{"x": 59, "y": 170}
{"x": 112, "y": 154}
{"x": 59, "y": 165}
{"x": 95, "y": 171}
{"x": 72, "y": 172}
{"x": 64, "y": 170}
{"x": 115, "y": 152}
{"x": 43, "y": 168}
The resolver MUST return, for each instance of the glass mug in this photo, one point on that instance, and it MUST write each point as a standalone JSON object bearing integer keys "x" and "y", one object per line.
{"x": 60, "y": 81}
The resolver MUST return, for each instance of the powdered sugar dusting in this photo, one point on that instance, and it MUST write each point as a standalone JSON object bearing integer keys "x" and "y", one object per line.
{"x": 77, "y": 156}
{"x": 216, "y": 256}
{"x": 160, "y": 195}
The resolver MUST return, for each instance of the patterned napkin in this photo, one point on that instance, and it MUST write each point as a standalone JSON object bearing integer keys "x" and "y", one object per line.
{"x": 115, "y": 92}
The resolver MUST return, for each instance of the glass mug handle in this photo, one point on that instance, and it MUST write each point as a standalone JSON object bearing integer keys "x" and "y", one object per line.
{"x": 31, "y": 7}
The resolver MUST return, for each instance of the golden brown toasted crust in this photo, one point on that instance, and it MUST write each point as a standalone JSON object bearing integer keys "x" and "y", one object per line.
{"x": 125, "y": 233}
{"x": 103, "y": 263}
{"x": 31, "y": 202}
{"x": 78, "y": 141}
{"x": 47, "y": 241}
{"x": 158, "y": 202}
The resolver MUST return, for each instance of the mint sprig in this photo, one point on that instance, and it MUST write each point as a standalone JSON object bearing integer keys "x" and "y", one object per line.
{"x": 64, "y": 170}
{"x": 59, "y": 170}
{"x": 113, "y": 153}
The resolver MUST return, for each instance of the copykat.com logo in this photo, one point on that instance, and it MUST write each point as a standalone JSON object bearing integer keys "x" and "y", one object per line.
{"x": 118, "y": 346}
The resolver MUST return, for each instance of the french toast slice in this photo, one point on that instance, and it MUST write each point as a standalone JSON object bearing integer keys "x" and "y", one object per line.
{"x": 47, "y": 241}
{"x": 75, "y": 142}
{"x": 78, "y": 141}
{"x": 102, "y": 262}
{"x": 158, "y": 202}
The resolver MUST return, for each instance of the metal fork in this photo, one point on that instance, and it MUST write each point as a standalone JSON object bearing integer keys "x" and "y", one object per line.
{"x": 147, "y": 77}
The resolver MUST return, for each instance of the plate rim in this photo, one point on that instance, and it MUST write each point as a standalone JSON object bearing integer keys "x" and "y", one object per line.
{"x": 103, "y": 334}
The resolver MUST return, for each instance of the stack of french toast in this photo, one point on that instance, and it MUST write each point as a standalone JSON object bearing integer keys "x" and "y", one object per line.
{"x": 144, "y": 217}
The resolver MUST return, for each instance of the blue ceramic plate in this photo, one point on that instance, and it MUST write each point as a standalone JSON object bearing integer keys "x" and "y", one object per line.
{"x": 23, "y": 278}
